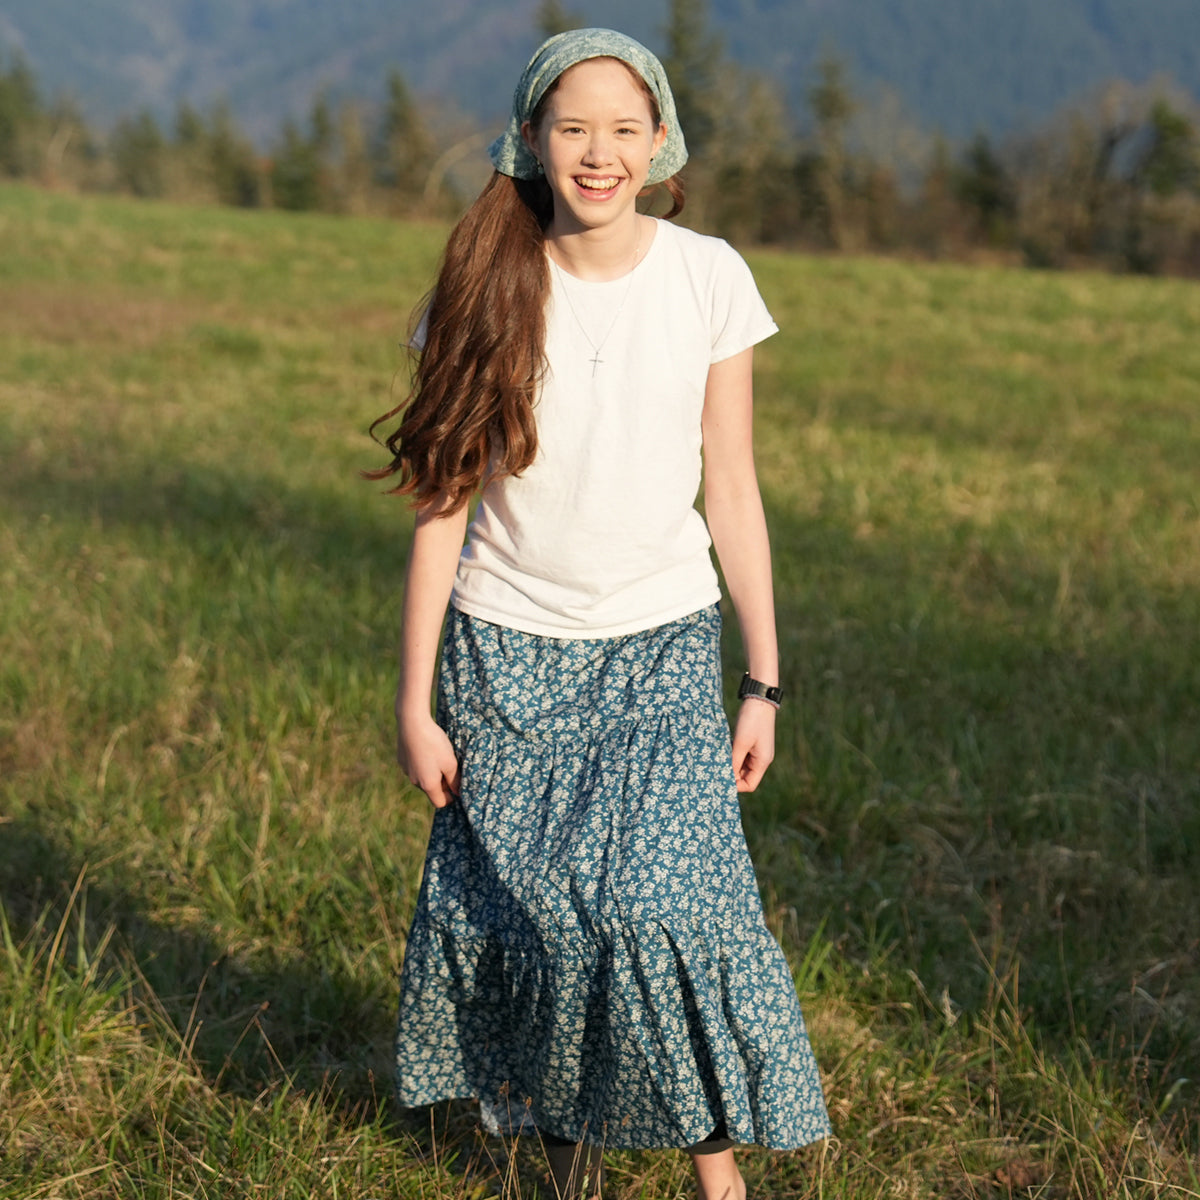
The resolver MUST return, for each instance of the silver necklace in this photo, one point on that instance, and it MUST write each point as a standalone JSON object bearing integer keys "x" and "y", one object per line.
{"x": 596, "y": 360}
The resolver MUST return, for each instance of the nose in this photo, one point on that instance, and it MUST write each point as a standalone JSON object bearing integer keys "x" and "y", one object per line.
{"x": 599, "y": 149}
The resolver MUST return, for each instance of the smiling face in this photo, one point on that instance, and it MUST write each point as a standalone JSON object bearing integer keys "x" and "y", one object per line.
{"x": 595, "y": 137}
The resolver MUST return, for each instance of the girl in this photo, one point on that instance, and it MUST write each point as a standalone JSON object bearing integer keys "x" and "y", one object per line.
{"x": 588, "y": 953}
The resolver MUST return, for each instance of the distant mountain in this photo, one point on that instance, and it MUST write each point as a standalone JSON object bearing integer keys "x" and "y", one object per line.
{"x": 956, "y": 65}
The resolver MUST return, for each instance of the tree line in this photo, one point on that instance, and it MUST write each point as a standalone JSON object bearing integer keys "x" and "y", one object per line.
{"x": 1114, "y": 180}
{"x": 348, "y": 158}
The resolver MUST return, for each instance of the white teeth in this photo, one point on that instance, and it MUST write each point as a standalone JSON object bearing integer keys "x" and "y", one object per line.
{"x": 597, "y": 185}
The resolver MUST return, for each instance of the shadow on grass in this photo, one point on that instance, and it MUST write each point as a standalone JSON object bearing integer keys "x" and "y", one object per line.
{"x": 963, "y": 771}
{"x": 246, "y": 1025}
{"x": 252, "y": 1031}
{"x": 216, "y": 513}
{"x": 250, "y": 1022}
{"x": 955, "y": 766}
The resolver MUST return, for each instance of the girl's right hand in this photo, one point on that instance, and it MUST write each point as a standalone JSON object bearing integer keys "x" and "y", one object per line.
{"x": 426, "y": 756}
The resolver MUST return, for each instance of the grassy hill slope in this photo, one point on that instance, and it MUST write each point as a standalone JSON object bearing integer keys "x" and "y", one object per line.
{"x": 978, "y": 845}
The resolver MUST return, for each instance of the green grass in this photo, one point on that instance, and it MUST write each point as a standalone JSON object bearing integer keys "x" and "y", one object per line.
{"x": 980, "y": 844}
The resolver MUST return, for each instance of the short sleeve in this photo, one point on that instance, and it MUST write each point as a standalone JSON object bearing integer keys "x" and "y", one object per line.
{"x": 739, "y": 316}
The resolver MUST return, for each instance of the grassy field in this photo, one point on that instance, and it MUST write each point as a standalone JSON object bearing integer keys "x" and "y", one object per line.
{"x": 980, "y": 844}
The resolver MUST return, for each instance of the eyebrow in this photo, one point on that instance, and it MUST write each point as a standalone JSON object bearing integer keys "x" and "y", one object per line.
{"x": 616, "y": 121}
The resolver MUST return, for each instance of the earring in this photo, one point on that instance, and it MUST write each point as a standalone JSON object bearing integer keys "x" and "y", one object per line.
{"x": 540, "y": 168}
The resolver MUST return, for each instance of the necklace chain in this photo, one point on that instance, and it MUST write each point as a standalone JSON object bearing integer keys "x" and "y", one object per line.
{"x": 596, "y": 360}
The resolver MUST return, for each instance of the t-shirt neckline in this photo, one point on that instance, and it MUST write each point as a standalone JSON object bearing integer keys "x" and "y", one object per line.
{"x": 575, "y": 282}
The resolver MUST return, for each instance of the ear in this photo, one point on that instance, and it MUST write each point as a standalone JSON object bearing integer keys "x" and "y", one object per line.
{"x": 529, "y": 137}
{"x": 660, "y": 137}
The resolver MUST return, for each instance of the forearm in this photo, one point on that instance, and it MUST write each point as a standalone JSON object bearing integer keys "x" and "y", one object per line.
{"x": 432, "y": 561}
{"x": 734, "y": 510}
{"x": 739, "y": 531}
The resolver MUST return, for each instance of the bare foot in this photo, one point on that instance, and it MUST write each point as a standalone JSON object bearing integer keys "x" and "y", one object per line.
{"x": 718, "y": 1176}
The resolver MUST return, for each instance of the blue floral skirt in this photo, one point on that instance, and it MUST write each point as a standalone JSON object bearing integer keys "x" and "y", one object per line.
{"x": 588, "y": 951}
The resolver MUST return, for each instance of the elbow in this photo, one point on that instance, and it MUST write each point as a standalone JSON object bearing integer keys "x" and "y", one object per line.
{"x": 735, "y": 495}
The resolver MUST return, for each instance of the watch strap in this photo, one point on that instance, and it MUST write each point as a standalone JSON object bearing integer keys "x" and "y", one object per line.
{"x": 755, "y": 689}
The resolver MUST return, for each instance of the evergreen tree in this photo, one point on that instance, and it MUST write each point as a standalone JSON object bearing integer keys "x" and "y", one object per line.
{"x": 1165, "y": 165}
{"x": 832, "y": 106}
{"x": 751, "y": 199}
{"x": 295, "y": 171}
{"x": 693, "y": 63}
{"x": 137, "y": 149}
{"x": 354, "y": 168}
{"x": 553, "y": 18}
{"x": 830, "y": 100}
{"x": 232, "y": 163}
{"x": 322, "y": 136}
{"x": 188, "y": 156}
{"x": 405, "y": 152}
{"x": 189, "y": 127}
{"x": 1170, "y": 163}
{"x": 984, "y": 188}
{"x": 20, "y": 112}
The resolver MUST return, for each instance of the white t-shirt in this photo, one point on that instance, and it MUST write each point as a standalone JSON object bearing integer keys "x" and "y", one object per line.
{"x": 599, "y": 536}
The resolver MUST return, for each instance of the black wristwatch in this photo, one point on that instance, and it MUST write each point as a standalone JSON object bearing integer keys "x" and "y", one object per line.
{"x": 760, "y": 691}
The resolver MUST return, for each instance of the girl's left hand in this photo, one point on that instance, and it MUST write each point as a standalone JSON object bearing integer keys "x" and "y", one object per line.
{"x": 753, "y": 743}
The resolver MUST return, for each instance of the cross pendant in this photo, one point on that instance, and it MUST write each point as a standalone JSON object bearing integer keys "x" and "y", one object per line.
{"x": 596, "y": 360}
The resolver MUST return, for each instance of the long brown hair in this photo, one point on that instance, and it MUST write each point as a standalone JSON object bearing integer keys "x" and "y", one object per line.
{"x": 469, "y": 415}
